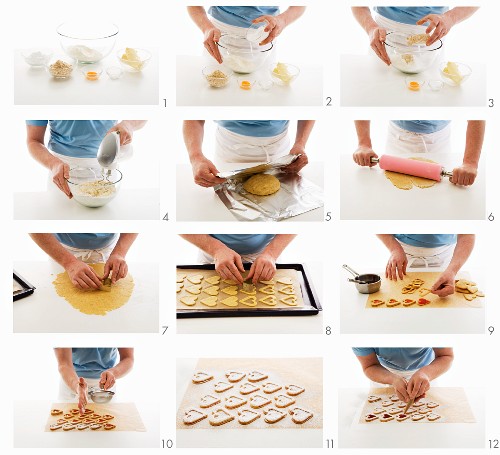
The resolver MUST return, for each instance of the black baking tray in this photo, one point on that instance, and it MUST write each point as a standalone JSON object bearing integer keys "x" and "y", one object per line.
{"x": 28, "y": 288}
{"x": 311, "y": 302}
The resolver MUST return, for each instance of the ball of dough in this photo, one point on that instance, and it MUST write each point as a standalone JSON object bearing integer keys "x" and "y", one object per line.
{"x": 262, "y": 184}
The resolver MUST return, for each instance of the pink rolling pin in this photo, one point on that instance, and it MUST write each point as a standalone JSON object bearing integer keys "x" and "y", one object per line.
{"x": 417, "y": 168}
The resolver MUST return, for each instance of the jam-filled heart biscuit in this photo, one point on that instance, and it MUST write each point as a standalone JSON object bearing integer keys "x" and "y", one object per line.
{"x": 220, "y": 417}
{"x": 230, "y": 301}
{"x": 209, "y": 400}
{"x": 212, "y": 290}
{"x": 402, "y": 417}
{"x": 235, "y": 376}
{"x": 370, "y": 417}
{"x": 200, "y": 377}
{"x": 250, "y": 301}
{"x": 392, "y": 303}
{"x": 269, "y": 289}
{"x": 193, "y": 416}
{"x": 247, "y": 388}
{"x": 68, "y": 416}
{"x": 56, "y": 412}
{"x": 373, "y": 398}
{"x": 409, "y": 302}
{"x": 270, "y": 300}
{"x": 294, "y": 390}
{"x": 230, "y": 290}
{"x": 109, "y": 426}
{"x": 377, "y": 302}
{"x": 432, "y": 417}
{"x": 55, "y": 427}
{"x": 195, "y": 279}
{"x": 88, "y": 411}
{"x": 75, "y": 411}
{"x": 256, "y": 376}
{"x": 234, "y": 402}
{"x": 258, "y": 401}
{"x": 300, "y": 416}
{"x": 61, "y": 421}
{"x": 95, "y": 426}
{"x": 209, "y": 301}
{"x": 108, "y": 417}
{"x": 213, "y": 279}
{"x": 247, "y": 416}
{"x": 283, "y": 401}
{"x": 422, "y": 302}
{"x": 270, "y": 387}
{"x": 222, "y": 386}
{"x": 273, "y": 415}
{"x": 386, "y": 417}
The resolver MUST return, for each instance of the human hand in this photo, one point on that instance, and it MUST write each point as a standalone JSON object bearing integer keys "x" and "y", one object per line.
{"x": 464, "y": 175}
{"x": 263, "y": 268}
{"x": 418, "y": 384}
{"x": 275, "y": 25}
{"x": 396, "y": 265}
{"x": 444, "y": 285}
{"x": 377, "y": 37}
{"x": 107, "y": 380}
{"x": 210, "y": 40}
{"x": 125, "y": 132}
{"x": 228, "y": 264}
{"x": 439, "y": 26}
{"x": 363, "y": 155}
{"x": 60, "y": 174}
{"x": 205, "y": 173}
{"x": 116, "y": 263}
{"x": 400, "y": 387}
{"x": 82, "y": 395}
{"x": 83, "y": 276}
{"x": 300, "y": 162}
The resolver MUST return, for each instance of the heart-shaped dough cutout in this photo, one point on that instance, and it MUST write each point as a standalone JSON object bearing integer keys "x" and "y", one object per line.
{"x": 194, "y": 289}
{"x": 220, "y": 417}
{"x": 249, "y": 301}
{"x": 192, "y": 416}
{"x": 234, "y": 402}
{"x": 178, "y": 288}
{"x": 250, "y": 289}
{"x": 222, "y": 387}
{"x": 248, "y": 388}
{"x": 288, "y": 290}
{"x": 300, "y": 415}
{"x": 246, "y": 416}
{"x": 208, "y": 401}
{"x": 270, "y": 300}
{"x": 256, "y": 376}
{"x": 230, "y": 301}
{"x": 269, "y": 289}
{"x": 267, "y": 282}
{"x": 189, "y": 300}
{"x": 285, "y": 280}
{"x": 282, "y": 401}
{"x": 294, "y": 390}
{"x": 180, "y": 277}
{"x": 213, "y": 279}
{"x": 273, "y": 415}
{"x": 235, "y": 376}
{"x": 291, "y": 300}
{"x": 258, "y": 401}
{"x": 195, "y": 279}
{"x": 231, "y": 282}
{"x": 212, "y": 290}
{"x": 230, "y": 290}
{"x": 209, "y": 301}
{"x": 271, "y": 388}
{"x": 200, "y": 377}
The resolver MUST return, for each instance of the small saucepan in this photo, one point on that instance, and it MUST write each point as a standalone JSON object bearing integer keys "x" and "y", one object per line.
{"x": 366, "y": 283}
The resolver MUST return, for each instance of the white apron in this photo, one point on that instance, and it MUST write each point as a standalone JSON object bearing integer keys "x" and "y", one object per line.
{"x": 402, "y": 142}
{"x": 66, "y": 395}
{"x": 428, "y": 257}
{"x": 205, "y": 258}
{"x": 235, "y": 148}
{"x": 394, "y": 26}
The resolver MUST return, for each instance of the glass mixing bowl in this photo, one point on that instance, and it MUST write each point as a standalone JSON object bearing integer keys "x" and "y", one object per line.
{"x": 93, "y": 187}
{"x": 241, "y": 55}
{"x": 87, "y": 42}
{"x": 410, "y": 59}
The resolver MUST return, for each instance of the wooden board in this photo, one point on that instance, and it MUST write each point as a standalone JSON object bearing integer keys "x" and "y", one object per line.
{"x": 392, "y": 290}
{"x": 280, "y": 273}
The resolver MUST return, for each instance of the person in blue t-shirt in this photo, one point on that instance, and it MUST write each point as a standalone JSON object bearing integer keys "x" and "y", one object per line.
{"x": 435, "y": 21}
{"x": 244, "y": 141}
{"x": 236, "y": 20}
{"x": 229, "y": 251}
{"x": 424, "y": 136}
{"x": 409, "y": 370}
{"x": 449, "y": 251}
{"x": 84, "y": 368}
{"x": 73, "y": 143}
{"x": 74, "y": 251}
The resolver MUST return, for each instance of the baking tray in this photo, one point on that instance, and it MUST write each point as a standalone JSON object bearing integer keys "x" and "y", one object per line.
{"x": 311, "y": 306}
{"x": 28, "y": 288}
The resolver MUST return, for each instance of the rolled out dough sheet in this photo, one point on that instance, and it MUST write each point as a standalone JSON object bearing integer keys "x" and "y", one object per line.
{"x": 95, "y": 302}
{"x": 280, "y": 273}
{"x": 453, "y": 406}
{"x": 392, "y": 290}
{"x": 407, "y": 182}
{"x": 127, "y": 416}
{"x": 303, "y": 372}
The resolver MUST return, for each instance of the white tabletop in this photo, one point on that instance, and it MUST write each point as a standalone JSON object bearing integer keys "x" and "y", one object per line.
{"x": 44, "y": 311}
{"x": 37, "y": 86}
{"x": 367, "y": 81}
{"x": 261, "y": 324}
{"x": 193, "y": 89}
{"x": 356, "y": 318}
{"x": 233, "y": 437}
{"x": 30, "y": 418}
{"x": 141, "y": 204}
{"x": 367, "y": 194}
{"x": 195, "y": 203}
{"x": 441, "y": 435}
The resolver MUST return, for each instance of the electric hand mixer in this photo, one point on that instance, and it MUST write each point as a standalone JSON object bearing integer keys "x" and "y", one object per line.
{"x": 424, "y": 169}
{"x": 107, "y": 155}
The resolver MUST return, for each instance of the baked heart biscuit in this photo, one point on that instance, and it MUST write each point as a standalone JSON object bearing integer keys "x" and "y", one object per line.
{"x": 479, "y": 294}
{"x": 377, "y": 302}
{"x": 423, "y": 292}
{"x": 432, "y": 417}
{"x": 271, "y": 388}
{"x": 416, "y": 417}
{"x": 234, "y": 402}
{"x": 212, "y": 290}
{"x": 98, "y": 420}
{"x": 269, "y": 289}
{"x": 256, "y": 376}
{"x": 95, "y": 426}
{"x": 235, "y": 376}
{"x": 55, "y": 427}
{"x": 92, "y": 421}
{"x": 432, "y": 404}
{"x": 56, "y": 412}
{"x": 394, "y": 398}
{"x": 222, "y": 387}
{"x": 82, "y": 426}
{"x": 417, "y": 404}
{"x": 370, "y": 417}
{"x": 180, "y": 277}
{"x": 68, "y": 416}
{"x": 378, "y": 410}
{"x": 247, "y": 388}
{"x": 75, "y": 411}
{"x": 108, "y": 417}
{"x": 291, "y": 300}
{"x": 68, "y": 427}
{"x": 373, "y": 398}
{"x": 386, "y": 403}
{"x": 195, "y": 279}
{"x": 270, "y": 300}
{"x": 294, "y": 390}
{"x": 273, "y": 415}
{"x": 392, "y": 303}
{"x": 213, "y": 279}
{"x": 470, "y": 297}
{"x": 61, "y": 421}
{"x": 267, "y": 281}
{"x": 230, "y": 290}
{"x": 230, "y": 301}
{"x": 196, "y": 289}
{"x": 409, "y": 302}
{"x": 393, "y": 410}
{"x": 179, "y": 287}
{"x": 220, "y": 417}
{"x": 209, "y": 301}
{"x": 472, "y": 289}
{"x": 402, "y": 417}
{"x": 249, "y": 301}
{"x": 401, "y": 404}
{"x": 231, "y": 282}
{"x": 386, "y": 417}
{"x": 247, "y": 416}
{"x": 424, "y": 411}
{"x": 300, "y": 416}
{"x": 109, "y": 426}
{"x": 193, "y": 416}
{"x": 283, "y": 401}
{"x": 208, "y": 401}
{"x": 288, "y": 290}
{"x": 200, "y": 377}
{"x": 258, "y": 401}
{"x": 190, "y": 300}
{"x": 87, "y": 411}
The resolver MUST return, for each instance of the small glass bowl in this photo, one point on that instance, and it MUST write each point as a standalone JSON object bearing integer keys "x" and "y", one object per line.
{"x": 91, "y": 72}
{"x": 414, "y": 83}
{"x": 37, "y": 57}
{"x": 114, "y": 72}
{"x": 60, "y": 68}
{"x": 265, "y": 84}
{"x": 214, "y": 81}
{"x": 246, "y": 83}
{"x": 435, "y": 85}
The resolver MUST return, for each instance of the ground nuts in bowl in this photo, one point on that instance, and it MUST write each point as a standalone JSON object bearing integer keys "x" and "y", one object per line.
{"x": 59, "y": 68}
{"x": 217, "y": 76}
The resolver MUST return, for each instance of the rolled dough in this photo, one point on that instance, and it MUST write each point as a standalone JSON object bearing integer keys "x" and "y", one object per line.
{"x": 407, "y": 182}
{"x": 94, "y": 302}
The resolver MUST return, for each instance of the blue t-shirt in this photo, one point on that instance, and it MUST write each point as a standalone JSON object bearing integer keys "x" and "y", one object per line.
{"x": 422, "y": 126}
{"x": 245, "y": 243}
{"x": 255, "y": 128}
{"x": 403, "y": 359}
{"x": 241, "y": 16}
{"x": 427, "y": 240}
{"x": 75, "y": 138}
{"x": 91, "y": 362}
{"x": 409, "y": 14}
{"x": 86, "y": 241}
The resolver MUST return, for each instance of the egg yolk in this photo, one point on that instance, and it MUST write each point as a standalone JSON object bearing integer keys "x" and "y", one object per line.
{"x": 92, "y": 75}
{"x": 245, "y": 85}
{"x": 414, "y": 85}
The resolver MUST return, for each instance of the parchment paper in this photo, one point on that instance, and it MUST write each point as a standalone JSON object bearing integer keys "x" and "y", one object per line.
{"x": 293, "y": 274}
{"x": 127, "y": 417}
{"x": 453, "y": 406}
{"x": 307, "y": 373}
{"x": 392, "y": 290}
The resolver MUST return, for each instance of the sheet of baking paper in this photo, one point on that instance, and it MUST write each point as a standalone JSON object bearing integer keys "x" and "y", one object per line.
{"x": 307, "y": 373}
